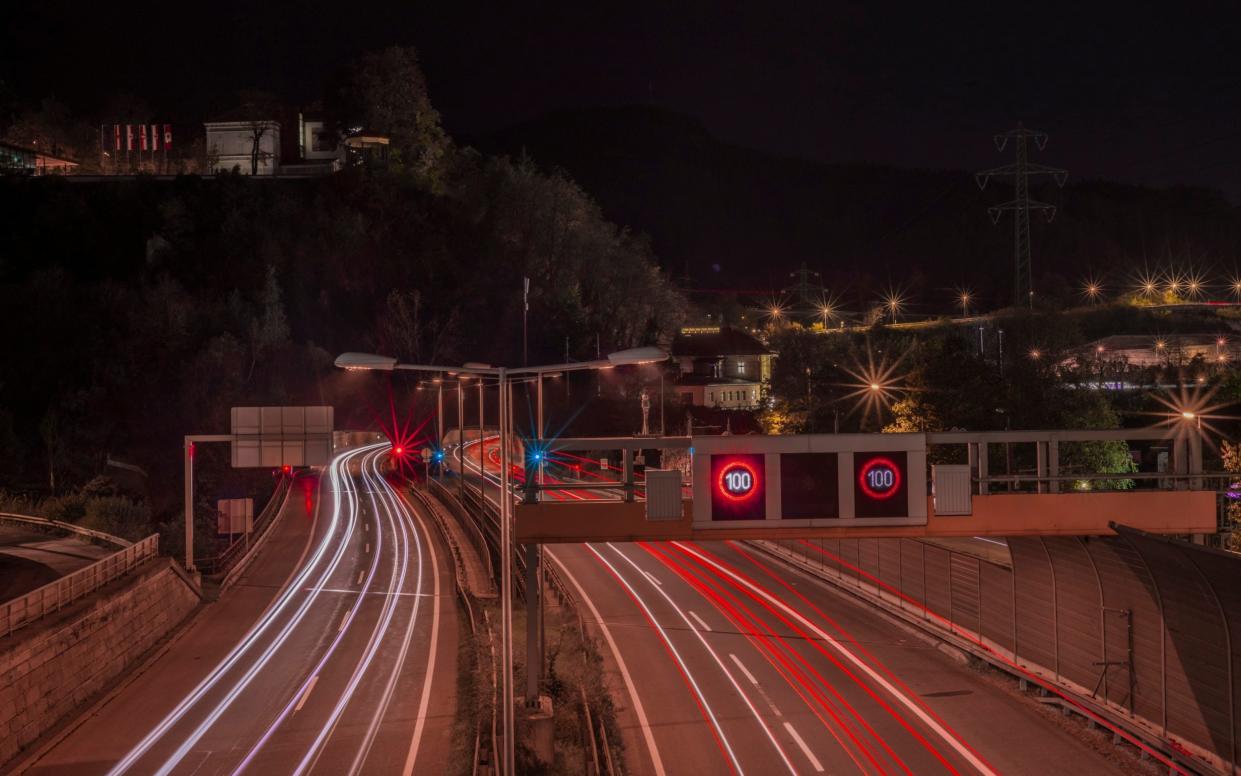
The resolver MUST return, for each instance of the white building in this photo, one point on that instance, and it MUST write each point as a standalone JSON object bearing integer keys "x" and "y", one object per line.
{"x": 230, "y": 146}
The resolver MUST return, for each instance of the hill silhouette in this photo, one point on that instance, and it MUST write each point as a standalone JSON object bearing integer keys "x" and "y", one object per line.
{"x": 744, "y": 219}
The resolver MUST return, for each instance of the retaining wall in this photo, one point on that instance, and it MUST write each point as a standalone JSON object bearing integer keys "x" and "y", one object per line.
{"x": 49, "y": 669}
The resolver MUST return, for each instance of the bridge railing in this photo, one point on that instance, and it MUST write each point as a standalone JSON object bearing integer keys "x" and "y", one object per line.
{"x": 59, "y": 525}
{"x": 54, "y": 596}
{"x": 615, "y": 468}
{"x": 1048, "y": 469}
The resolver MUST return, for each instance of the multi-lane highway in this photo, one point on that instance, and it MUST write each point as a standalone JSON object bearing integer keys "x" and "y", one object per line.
{"x": 725, "y": 660}
{"x": 335, "y": 654}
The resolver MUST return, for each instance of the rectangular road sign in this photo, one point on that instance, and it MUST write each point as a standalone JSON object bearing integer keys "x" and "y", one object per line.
{"x": 271, "y": 437}
{"x": 234, "y": 515}
{"x": 810, "y": 480}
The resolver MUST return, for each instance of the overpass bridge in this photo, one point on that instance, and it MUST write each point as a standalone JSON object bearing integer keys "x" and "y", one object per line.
{"x": 863, "y": 486}
{"x": 1078, "y": 595}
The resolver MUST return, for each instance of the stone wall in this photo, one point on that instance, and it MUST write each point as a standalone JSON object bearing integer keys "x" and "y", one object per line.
{"x": 50, "y": 668}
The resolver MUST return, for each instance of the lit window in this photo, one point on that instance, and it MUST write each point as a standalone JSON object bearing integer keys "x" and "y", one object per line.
{"x": 740, "y": 367}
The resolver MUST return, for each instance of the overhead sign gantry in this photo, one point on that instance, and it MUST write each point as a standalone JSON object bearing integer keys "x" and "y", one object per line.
{"x": 868, "y": 485}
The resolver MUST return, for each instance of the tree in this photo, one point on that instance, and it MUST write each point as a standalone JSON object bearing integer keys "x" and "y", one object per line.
{"x": 385, "y": 92}
{"x": 270, "y": 329}
{"x": 257, "y": 109}
{"x": 50, "y": 128}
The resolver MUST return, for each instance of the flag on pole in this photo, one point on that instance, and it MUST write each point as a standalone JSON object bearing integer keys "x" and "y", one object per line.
{"x": 155, "y": 137}
{"x": 167, "y": 136}
{"x": 129, "y": 137}
{"x": 116, "y": 136}
{"x": 143, "y": 129}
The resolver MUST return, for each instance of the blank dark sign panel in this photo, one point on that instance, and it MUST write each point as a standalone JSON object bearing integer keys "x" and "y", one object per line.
{"x": 808, "y": 485}
{"x": 738, "y": 487}
{"x": 880, "y": 484}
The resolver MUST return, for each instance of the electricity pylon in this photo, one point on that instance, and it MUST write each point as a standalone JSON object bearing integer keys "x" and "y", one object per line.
{"x": 1021, "y": 204}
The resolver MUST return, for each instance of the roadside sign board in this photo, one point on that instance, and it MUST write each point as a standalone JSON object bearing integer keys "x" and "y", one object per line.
{"x": 234, "y": 515}
{"x": 272, "y": 437}
{"x": 810, "y": 480}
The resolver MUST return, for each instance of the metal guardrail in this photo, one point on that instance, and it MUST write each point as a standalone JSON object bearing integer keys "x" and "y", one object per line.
{"x": 594, "y": 728}
{"x": 434, "y": 506}
{"x": 58, "y": 525}
{"x": 53, "y": 596}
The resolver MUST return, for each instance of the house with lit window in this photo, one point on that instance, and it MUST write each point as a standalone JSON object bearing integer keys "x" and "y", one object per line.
{"x": 20, "y": 160}
{"x": 721, "y": 366}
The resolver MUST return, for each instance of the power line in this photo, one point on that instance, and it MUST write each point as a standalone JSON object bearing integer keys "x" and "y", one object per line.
{"x": 1021, "y": 204}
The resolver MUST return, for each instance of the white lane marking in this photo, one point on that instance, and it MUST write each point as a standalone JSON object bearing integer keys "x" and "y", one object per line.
{"x": 368, "y": 548}
{"x": 655, "y": 580}
{"x": 814, "y": 761}
{"x": 399, "y": 566}
{"x": 265, "y": 621}
{"x": 306, "y": 693}
{"x": 435, "y": 627}
{"x": 344, "y": 621}
{"x": 991, "y": 541}
{"x": 728, "y": 674}
{"x": 354, "y": 506}
{"x": 699, "y": 620}
{"x": 905, "y": 700}
{"x": 384, "y": 593}
{"x": 366, "y": 527}
{"x": 257, "y": 665}
{"x": 643, "y": 722}
{"x": 361, "y": 574}
{"x": 744, "y": 670}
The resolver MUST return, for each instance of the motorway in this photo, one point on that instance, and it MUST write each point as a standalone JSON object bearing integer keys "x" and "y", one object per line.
{"x": 724, "y": 660}
{"x": 334, "y": 654}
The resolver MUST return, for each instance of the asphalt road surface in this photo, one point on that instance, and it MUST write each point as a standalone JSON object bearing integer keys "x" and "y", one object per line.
{"x": 335, "y": 654}
{"x": 724, "y": 660}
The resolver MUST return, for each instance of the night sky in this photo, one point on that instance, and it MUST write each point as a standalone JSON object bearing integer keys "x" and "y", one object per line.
{"x": 1125, "y": 92}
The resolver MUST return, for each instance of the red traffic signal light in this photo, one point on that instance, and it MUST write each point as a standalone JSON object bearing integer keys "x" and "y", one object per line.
{"x": 287, "y": 469}
{"x": 398, "y": 450}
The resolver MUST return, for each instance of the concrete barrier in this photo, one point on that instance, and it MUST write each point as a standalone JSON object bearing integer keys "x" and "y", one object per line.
{"x": 50, "y": 668}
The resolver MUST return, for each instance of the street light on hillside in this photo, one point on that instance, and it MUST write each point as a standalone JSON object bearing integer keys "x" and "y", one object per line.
{"x": 505, "y": 379}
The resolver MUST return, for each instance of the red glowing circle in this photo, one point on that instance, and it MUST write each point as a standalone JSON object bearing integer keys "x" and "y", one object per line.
{"x": 738, "y": 481}
{"x": 888, "y": 486}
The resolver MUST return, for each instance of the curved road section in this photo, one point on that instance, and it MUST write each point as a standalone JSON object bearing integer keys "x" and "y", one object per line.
{"x": 334, "y": 655}
{"x": 724, "y": 660}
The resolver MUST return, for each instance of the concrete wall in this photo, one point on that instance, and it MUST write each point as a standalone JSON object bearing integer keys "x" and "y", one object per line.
{"x": 50, "y": 668}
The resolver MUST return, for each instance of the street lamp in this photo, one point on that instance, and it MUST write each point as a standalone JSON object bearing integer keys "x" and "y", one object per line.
{"x": 504, "y": 378}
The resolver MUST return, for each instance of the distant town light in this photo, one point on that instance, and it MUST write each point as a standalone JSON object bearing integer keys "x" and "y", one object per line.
{"x": 1035, "y": 354}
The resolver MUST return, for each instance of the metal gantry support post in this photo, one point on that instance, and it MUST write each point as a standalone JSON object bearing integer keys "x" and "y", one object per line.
{"x": 189, "y": 504}
{"x": 506, "y": 585}
{"x": 461, "y": 440}
{"x": 534, "y": 575}
{"x": 1041, "y": 464}
{"x": 627, "y": 463}
{"x": 1053, "y": 465}
{"x": 439, "y": 413}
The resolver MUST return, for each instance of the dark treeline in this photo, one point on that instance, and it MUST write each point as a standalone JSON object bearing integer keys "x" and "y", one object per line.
{"x": 743, "y": 219}
{"x": 137, "y": 311}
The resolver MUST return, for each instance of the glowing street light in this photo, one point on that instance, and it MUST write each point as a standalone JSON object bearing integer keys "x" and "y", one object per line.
{"x": 894, "y": 303}
{"x": 1035, "y": 354}
{"x": 1092, "y": 290}
{"x": 964, "y": 297}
